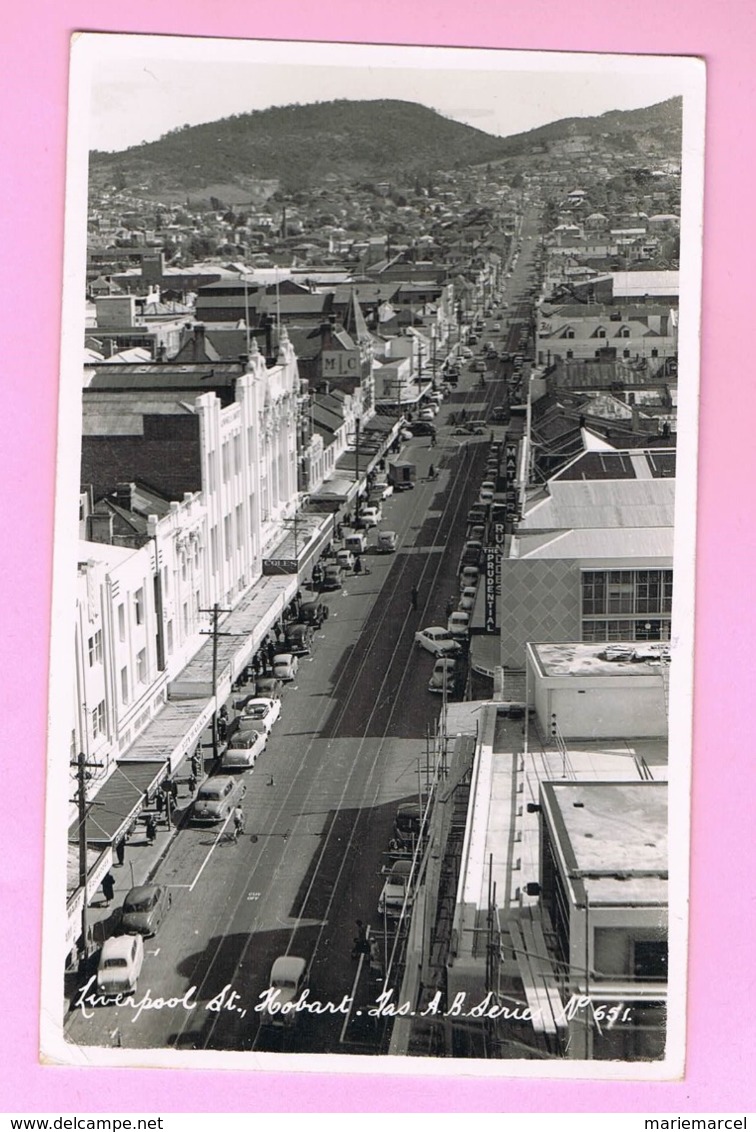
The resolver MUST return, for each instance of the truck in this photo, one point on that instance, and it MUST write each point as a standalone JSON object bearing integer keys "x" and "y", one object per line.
{"x": 401, "y": 475}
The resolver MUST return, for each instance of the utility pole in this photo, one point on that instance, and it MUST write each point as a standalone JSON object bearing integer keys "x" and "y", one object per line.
{"x": 215, "y": 612}
{"x": 81, "y": 800}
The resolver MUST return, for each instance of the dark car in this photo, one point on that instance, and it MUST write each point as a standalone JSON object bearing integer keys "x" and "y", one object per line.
{"x": 268, "y": 686}
{"x": 144, "y": 908}
{"x": 422, "y": 428}
{"x": 299, "y": 639}
{"x": 313, "y": 613}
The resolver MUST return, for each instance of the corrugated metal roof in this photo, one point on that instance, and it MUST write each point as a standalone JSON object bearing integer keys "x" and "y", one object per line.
{"x": 588, "y": 504}
{"x": 604, "y": 542}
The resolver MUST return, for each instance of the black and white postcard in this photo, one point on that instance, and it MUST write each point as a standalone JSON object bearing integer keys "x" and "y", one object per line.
{"x": 373, "y": 611}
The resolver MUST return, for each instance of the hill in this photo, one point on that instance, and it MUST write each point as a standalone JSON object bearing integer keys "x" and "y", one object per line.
{"x": 345, "y": 141}
{"x": 301, "y": 145}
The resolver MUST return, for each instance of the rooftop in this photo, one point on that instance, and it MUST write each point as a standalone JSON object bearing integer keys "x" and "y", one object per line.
{"x": 613, "y": 840}
{"x": 599, "y": 659}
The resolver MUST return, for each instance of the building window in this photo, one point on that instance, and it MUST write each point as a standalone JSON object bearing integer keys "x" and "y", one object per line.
{"x": 624, "y": 332}
{"x": 650, "y": 959}
{"x": 95, "y": 648}
{"x": 228, "y": 536}
{"x": 124, "y": 685}
{"x": 211, "y": 471}
{"x": 121, "y": 622}
{"x": 185, "y": 615}
{"x": 98, "y": 720}
{"x": 166, "y": 581}
{"x": 169, "y": 637}
{"x": 625, "y": 353}
{"x": 600, "y": 332}
{"x": 225, "y": 461}
{"x": 239, "y": 527}
{"x": 643, "y": 596}
{"x": 237, "y": 454}
{"x": 139, "y": 607}
{"x": 214, "y": 549}
{"x": 141, "y": 666}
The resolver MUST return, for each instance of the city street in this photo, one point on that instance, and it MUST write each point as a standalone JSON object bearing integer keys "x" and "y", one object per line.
{"x": 349, "y": 746}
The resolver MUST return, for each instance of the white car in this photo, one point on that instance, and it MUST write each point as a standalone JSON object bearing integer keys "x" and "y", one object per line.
{"x": 370, "y": 516}
{"x": 285, "y": 666}
{"x": 467, "y": 599}
{"x": 120, "y": 964}
{"x": 485, "y": 495}
{"x": 426, "y": 415}
{"x": 444, "y": 675}
{"x": 243, "y": 749}
{"x": 261, "y": 713}
{"x": 466, "y": 352}
{"x": 459, "y": 624}
{"x": 345, "y": 559}
{"x": 288, "y": 980}
{"x": 437, "y": 640}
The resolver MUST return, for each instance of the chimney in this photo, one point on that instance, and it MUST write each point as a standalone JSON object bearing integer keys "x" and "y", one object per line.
{"x": 326, "y": 335}
{"x": 199, "y": 342}
{"x": 100, "y": 528}
{"x": 124, "y": 495}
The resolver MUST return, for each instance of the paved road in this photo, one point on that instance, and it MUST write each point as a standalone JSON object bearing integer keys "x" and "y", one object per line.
{"x": 350, "y": 744}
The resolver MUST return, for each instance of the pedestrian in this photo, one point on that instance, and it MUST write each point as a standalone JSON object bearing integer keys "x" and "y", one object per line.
{"x": 150, "y": 828}
{"x": 413, "y": 597}
{"x": 159, "y": 801}
{"x": 120, "y": 851}
{"x": 108, "y": 888}
{"x": 172, "y": 788}
{"x": 238, "y": 822}
{"x": 358, "y": 565}
{"x": 449, "y": 608}
{"x": 431, "y": 473}
{"x": 192, "y": 782}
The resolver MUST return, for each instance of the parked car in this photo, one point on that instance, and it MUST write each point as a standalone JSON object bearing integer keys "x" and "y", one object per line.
{"x": 333, "y": 576}
{"x": 216, "y": 798}
{"x": 467, "y": 598}
{"x": 427, "y": 414}
{"x": 394, "y": 892}
{"x": 468, "y": 576}
{"x": 436, "y": 395}
{"x": 285, "y": 666}
{"x": 499, "y": 413}
{"x": 444, "y": 675}
{"x": 465, "y": 352}
{"x": 478, "y": 366}
{"x": 476, "y": 532}
{"x": 387, "y": 542}
{"x": 496, "y": 326}
{"x": 459, "y": 624}
{"x": 120, "y": 964}
{"x": 269, "y": 687}
{"x": 380, "y": 490}
{"x": 463, "y": 430}
{"x": 370, "y": 516}
{"x": 144, "y": 908}
{"x": 406, "y": 434}
{"x": 260, "y": 713}
{"x": 313, "y": 613}
{"x": 299, "y": 639}
{"x": 437, "y": 640}
{"x": 288, "y": 979}
{"x": 356, "y": 543}
{"x": 345, "y": 559}
{"x": 486, "y": 494}
{"x": 422, "y": 428}
{"x": 243, "y": 748}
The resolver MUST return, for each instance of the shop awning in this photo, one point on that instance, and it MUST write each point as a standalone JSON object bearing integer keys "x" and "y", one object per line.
{"x": 118, "y": 801}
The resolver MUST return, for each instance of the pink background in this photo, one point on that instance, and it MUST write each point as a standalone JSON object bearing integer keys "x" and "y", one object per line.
{"x": 720, "y": 1073}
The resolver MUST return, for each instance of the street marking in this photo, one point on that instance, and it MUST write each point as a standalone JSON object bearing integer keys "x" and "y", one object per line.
{"x": 254, "y": 895}
{"x": 221, "y": 833}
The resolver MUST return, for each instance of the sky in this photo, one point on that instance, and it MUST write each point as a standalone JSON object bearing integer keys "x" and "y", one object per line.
{"x": 154, "y": 85}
